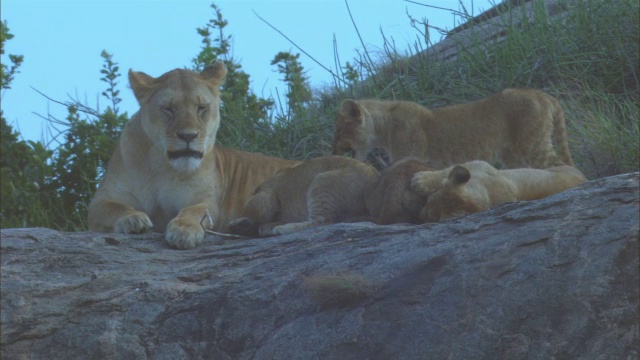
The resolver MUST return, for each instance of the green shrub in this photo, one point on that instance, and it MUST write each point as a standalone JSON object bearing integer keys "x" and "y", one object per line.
{"x": 23, "y": 165}
{"x": 23, "y": 169}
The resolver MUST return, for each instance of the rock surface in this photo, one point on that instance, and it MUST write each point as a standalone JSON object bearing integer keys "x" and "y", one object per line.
{"x": 551, "y": 279}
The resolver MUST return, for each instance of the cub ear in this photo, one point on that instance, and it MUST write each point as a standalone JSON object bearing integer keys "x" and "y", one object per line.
{"x": 215, "y": 72}
{"x": 141, "y": 84}
{"x": 352, "y": 110}
{"x": 459, "y": 175}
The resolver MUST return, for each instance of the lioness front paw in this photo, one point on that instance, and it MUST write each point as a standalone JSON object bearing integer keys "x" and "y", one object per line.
{"x": 134, "y": 223}
{"x": 183, "y": 234}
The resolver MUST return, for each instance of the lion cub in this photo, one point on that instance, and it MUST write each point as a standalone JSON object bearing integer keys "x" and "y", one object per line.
{"x": 476, "y": 186}
{"x": 514, "y": 127}
{"x": 391, "y": 198}
{"x": 319, "y": 191}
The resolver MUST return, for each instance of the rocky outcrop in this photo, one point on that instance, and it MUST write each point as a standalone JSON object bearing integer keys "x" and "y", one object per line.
{"x": 555, "y": 278}
{"x": 490, "y": 26}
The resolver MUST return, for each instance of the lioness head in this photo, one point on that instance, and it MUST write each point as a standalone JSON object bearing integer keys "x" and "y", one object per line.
{"x": 180, "y": 112}
{"x": 448, "y": 195}
{"x": 351, "y": 133}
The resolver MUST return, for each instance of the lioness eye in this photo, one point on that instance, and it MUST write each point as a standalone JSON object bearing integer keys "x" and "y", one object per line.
{"x": 202, "y": 108}
{"x": 167, "y": 110}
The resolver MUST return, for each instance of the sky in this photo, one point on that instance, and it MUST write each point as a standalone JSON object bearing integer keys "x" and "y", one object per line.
{"x": 61, "y": 42}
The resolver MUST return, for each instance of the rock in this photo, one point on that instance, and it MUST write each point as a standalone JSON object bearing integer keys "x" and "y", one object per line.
{"x": 555, "y": 278}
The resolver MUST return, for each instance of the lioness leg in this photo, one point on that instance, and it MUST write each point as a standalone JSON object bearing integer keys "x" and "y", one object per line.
{"x": 112, "y": 216}
{"x": 185, "y": 230}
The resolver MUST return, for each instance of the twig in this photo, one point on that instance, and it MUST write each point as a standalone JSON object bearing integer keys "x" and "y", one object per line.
{"x": 440, "y": 8}
{"x": 77, "y": 104}
{"x": 299, "y": 48}
{"x": 364, "y": 47}
{"x": 207, "y": 217}
{"x": 50, "y": 99}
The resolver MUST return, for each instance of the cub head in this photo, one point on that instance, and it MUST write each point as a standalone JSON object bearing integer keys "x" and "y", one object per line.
{"x": 351, "y": 133}
{"x": 180, "y": 112}
{"x": 392, "y": 199}
{"x": 448, "y": 194}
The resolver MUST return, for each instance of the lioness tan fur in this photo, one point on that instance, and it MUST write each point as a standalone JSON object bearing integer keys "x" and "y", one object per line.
{"x": 320, "y": 191}
{"x": 166, "y": 172}
{"x": 477, "y": 186}
{"x": 391, "y": 199}
{"x": 514, "y": 127}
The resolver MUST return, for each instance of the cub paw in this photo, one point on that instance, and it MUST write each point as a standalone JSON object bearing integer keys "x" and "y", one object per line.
{"x": 267, "y": 229}
{"x": 422, "y": 183}
{"x": 182, "y": 234}
{"x": 134, "y": 223}
{"x": 290, "y": 228}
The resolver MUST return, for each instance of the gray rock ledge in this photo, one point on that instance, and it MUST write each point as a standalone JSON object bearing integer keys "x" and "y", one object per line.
{"x": 551, "y": 279}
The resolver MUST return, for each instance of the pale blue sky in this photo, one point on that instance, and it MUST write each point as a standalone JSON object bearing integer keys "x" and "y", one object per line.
{"x": 61, "y": 42}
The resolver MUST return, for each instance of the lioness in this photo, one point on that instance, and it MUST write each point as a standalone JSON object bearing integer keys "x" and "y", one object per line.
{"x": 166, "y": 172}
{"x": 514, "y": 127}
{"x": 320, "y": 191}
{"x": 477, "y": 186}
{"x": 391, "y": 199}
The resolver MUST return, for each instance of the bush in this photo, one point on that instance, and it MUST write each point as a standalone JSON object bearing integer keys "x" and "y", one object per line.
{"x": 23, "y": 165}
{"x": 23, "y": 169}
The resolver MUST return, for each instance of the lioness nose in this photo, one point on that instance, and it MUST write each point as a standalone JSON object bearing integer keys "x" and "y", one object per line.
{"x": 187, "y": 137}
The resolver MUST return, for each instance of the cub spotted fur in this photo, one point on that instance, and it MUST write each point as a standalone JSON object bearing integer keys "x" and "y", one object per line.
{"x": 514, "y": 127}
{"x": 322, "y": 190}
{"x": 476, "y": 186}
{"x": 391, "y": 198}
{"x": 166, "y": 170}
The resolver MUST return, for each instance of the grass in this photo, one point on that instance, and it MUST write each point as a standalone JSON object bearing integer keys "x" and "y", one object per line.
{"x": 606, "y": 134}
{"x": 587, "y": 57}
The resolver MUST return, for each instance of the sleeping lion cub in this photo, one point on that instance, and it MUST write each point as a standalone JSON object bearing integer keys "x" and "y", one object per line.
{"x": 391, "y": 199}
{"x": 476, "y": 186}
{"x": 320, "y": 191}
{"x": 514, "y": 127}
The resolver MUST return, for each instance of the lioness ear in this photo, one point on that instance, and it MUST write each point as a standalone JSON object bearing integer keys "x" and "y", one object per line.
{"x": 459, "y": 175}
{"x": 141, "y": 84}
{"x": 351, "y": 110}
{"x": 215, "y": 72}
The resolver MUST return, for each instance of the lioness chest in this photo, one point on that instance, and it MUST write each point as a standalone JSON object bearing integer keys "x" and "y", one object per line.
{"x": 163, "y": 199}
